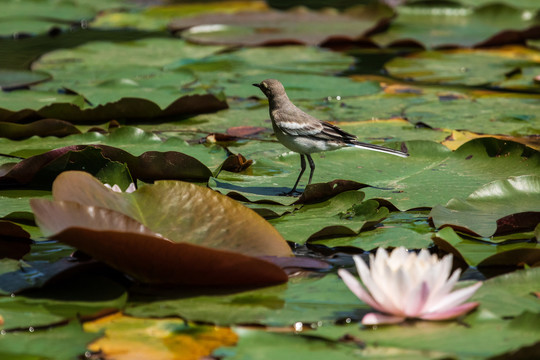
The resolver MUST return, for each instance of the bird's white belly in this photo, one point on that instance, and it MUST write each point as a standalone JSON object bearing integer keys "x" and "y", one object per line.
{"x": 304, "y": 144}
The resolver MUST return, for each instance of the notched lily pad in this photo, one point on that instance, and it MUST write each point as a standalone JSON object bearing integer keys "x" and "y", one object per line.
{"x": 502, "y": 206}
{"x": 210, "y": 239}
{"x": 343, "y": 215}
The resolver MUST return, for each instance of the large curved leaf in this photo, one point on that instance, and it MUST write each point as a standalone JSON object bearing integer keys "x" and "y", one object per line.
{"x": 215, "y": 238}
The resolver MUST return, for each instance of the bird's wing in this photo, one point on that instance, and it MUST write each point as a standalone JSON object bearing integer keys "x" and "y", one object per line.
{"x": 295, "y": 122}
{"x": 332, "y": 132}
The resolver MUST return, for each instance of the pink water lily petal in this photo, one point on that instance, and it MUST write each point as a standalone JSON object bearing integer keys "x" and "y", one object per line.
{"x": 379, "y": 319}
{"x": 437, "y": 295}
{"x": 414, "y": 303}
{"x": 454, "y": 299}
{"x": 373, "y": 286}
{"x": 357, "y": 288}
{"x": 451, "y": 313}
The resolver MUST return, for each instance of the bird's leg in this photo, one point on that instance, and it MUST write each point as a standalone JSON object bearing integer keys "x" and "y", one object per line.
{"x": 311, "y": 166}
{"x": 303, "y": 168}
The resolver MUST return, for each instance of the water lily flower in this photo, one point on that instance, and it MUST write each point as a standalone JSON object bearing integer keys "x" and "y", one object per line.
{"x": 409, "y": 285}
{"x": 131, "y": 188}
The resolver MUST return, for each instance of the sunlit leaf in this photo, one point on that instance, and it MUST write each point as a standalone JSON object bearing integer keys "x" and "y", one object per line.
{"x": 213, "y": 237}
{"x": 502, "y": 206}
{"x": 127, "y": 337}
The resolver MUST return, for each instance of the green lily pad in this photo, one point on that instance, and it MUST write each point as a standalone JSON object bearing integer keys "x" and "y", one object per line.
{"x": 280, "y": 27}
{"x": 437, "y": 25}
{"x": 501, "y": 206}
{"x": 431, "y": 175}
{"x": 13, "y": 79}
{"x": 323, "y": 300}
{"x": 86, "y": 295}
{"x": 409, "y": 229}
{"x": 37, "y": 16}
{"x": 486, "y": 113}
{"x": 510, "y": 294}
{"x": 507, "y": 67}
{"x": 59, "y": 343}
{"x": 302, "y": 70}
{"x": 482, "y": 339}
{"x": 472, "y": 252}
{"x": 135, "y": 85}
{"x": 344, "y": 214}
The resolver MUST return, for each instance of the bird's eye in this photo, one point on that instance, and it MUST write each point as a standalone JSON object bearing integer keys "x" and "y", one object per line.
{"x": 265, "y": 85}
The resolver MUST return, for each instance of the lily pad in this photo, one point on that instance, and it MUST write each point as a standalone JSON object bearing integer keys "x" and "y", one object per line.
{"x": 45, "y": 127}
{"x": 204, "y": 245}
{"x": 280, "y": 27}
{"x": 302, "y": 70}
{"x": 482, "y": 339}
{"x": 431, "y": 175}
{"x": 61, "y": 342}
{"x": 508, "y": 67}
{"x": 344, "y": 214}
{"x": 409, "y": 229}
{"x": 162, "y": 338}
{"x": 13, "y": 79}
{"x": 488, "y": 210}
{"x": 135, "y": 85}
{"x": 151, "y": 165}
{"x": 304, "y": 300}
{"x": 37, "y": 16}
{"x": 439, "y": 24}
{"x": 488, "y": 113}
{"x": 471, "y": 252}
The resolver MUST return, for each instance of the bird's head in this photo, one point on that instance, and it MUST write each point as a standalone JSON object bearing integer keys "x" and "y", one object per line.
{"x": 272, "y": 88}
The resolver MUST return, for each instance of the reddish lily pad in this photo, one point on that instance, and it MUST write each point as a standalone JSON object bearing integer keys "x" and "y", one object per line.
{"x": 210, "y": 240}
{"x": 149, "y": 166}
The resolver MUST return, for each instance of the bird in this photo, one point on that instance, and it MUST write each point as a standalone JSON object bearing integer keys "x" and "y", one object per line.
{"x": 305, "y": 134}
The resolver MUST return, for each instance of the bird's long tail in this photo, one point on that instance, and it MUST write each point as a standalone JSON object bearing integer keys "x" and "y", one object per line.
{"x": 378, "y": 148}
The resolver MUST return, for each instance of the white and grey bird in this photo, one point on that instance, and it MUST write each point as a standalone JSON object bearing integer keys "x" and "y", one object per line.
{"x": 304, "y": 134}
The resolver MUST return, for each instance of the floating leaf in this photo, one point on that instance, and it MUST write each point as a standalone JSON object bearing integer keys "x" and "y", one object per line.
{"x": 488, "y": 25}
{"x": 127, "y": 337}
{"x": 344, "y": 214}
{"x": 45, "y": 127}
{"x": 279, "y": 27}
{"x": 60, "y": 343}
{"x": 307, "y": 300}
{"x": 13, "y": 79}
{"x": 469, "y": 252}
{"x": 482, "y": 339}
{"x": 215, "y": 237}
{"x": 502, "y": 206}
{"x": 149, "y": 166}
{"x": 491, "y": 67}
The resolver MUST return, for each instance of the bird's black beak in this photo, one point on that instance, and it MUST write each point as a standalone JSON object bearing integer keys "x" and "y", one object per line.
{"x": 257, "y": 85}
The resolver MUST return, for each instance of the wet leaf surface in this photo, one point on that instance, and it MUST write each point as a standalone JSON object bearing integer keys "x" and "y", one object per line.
{"x": 142, "y": 105}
